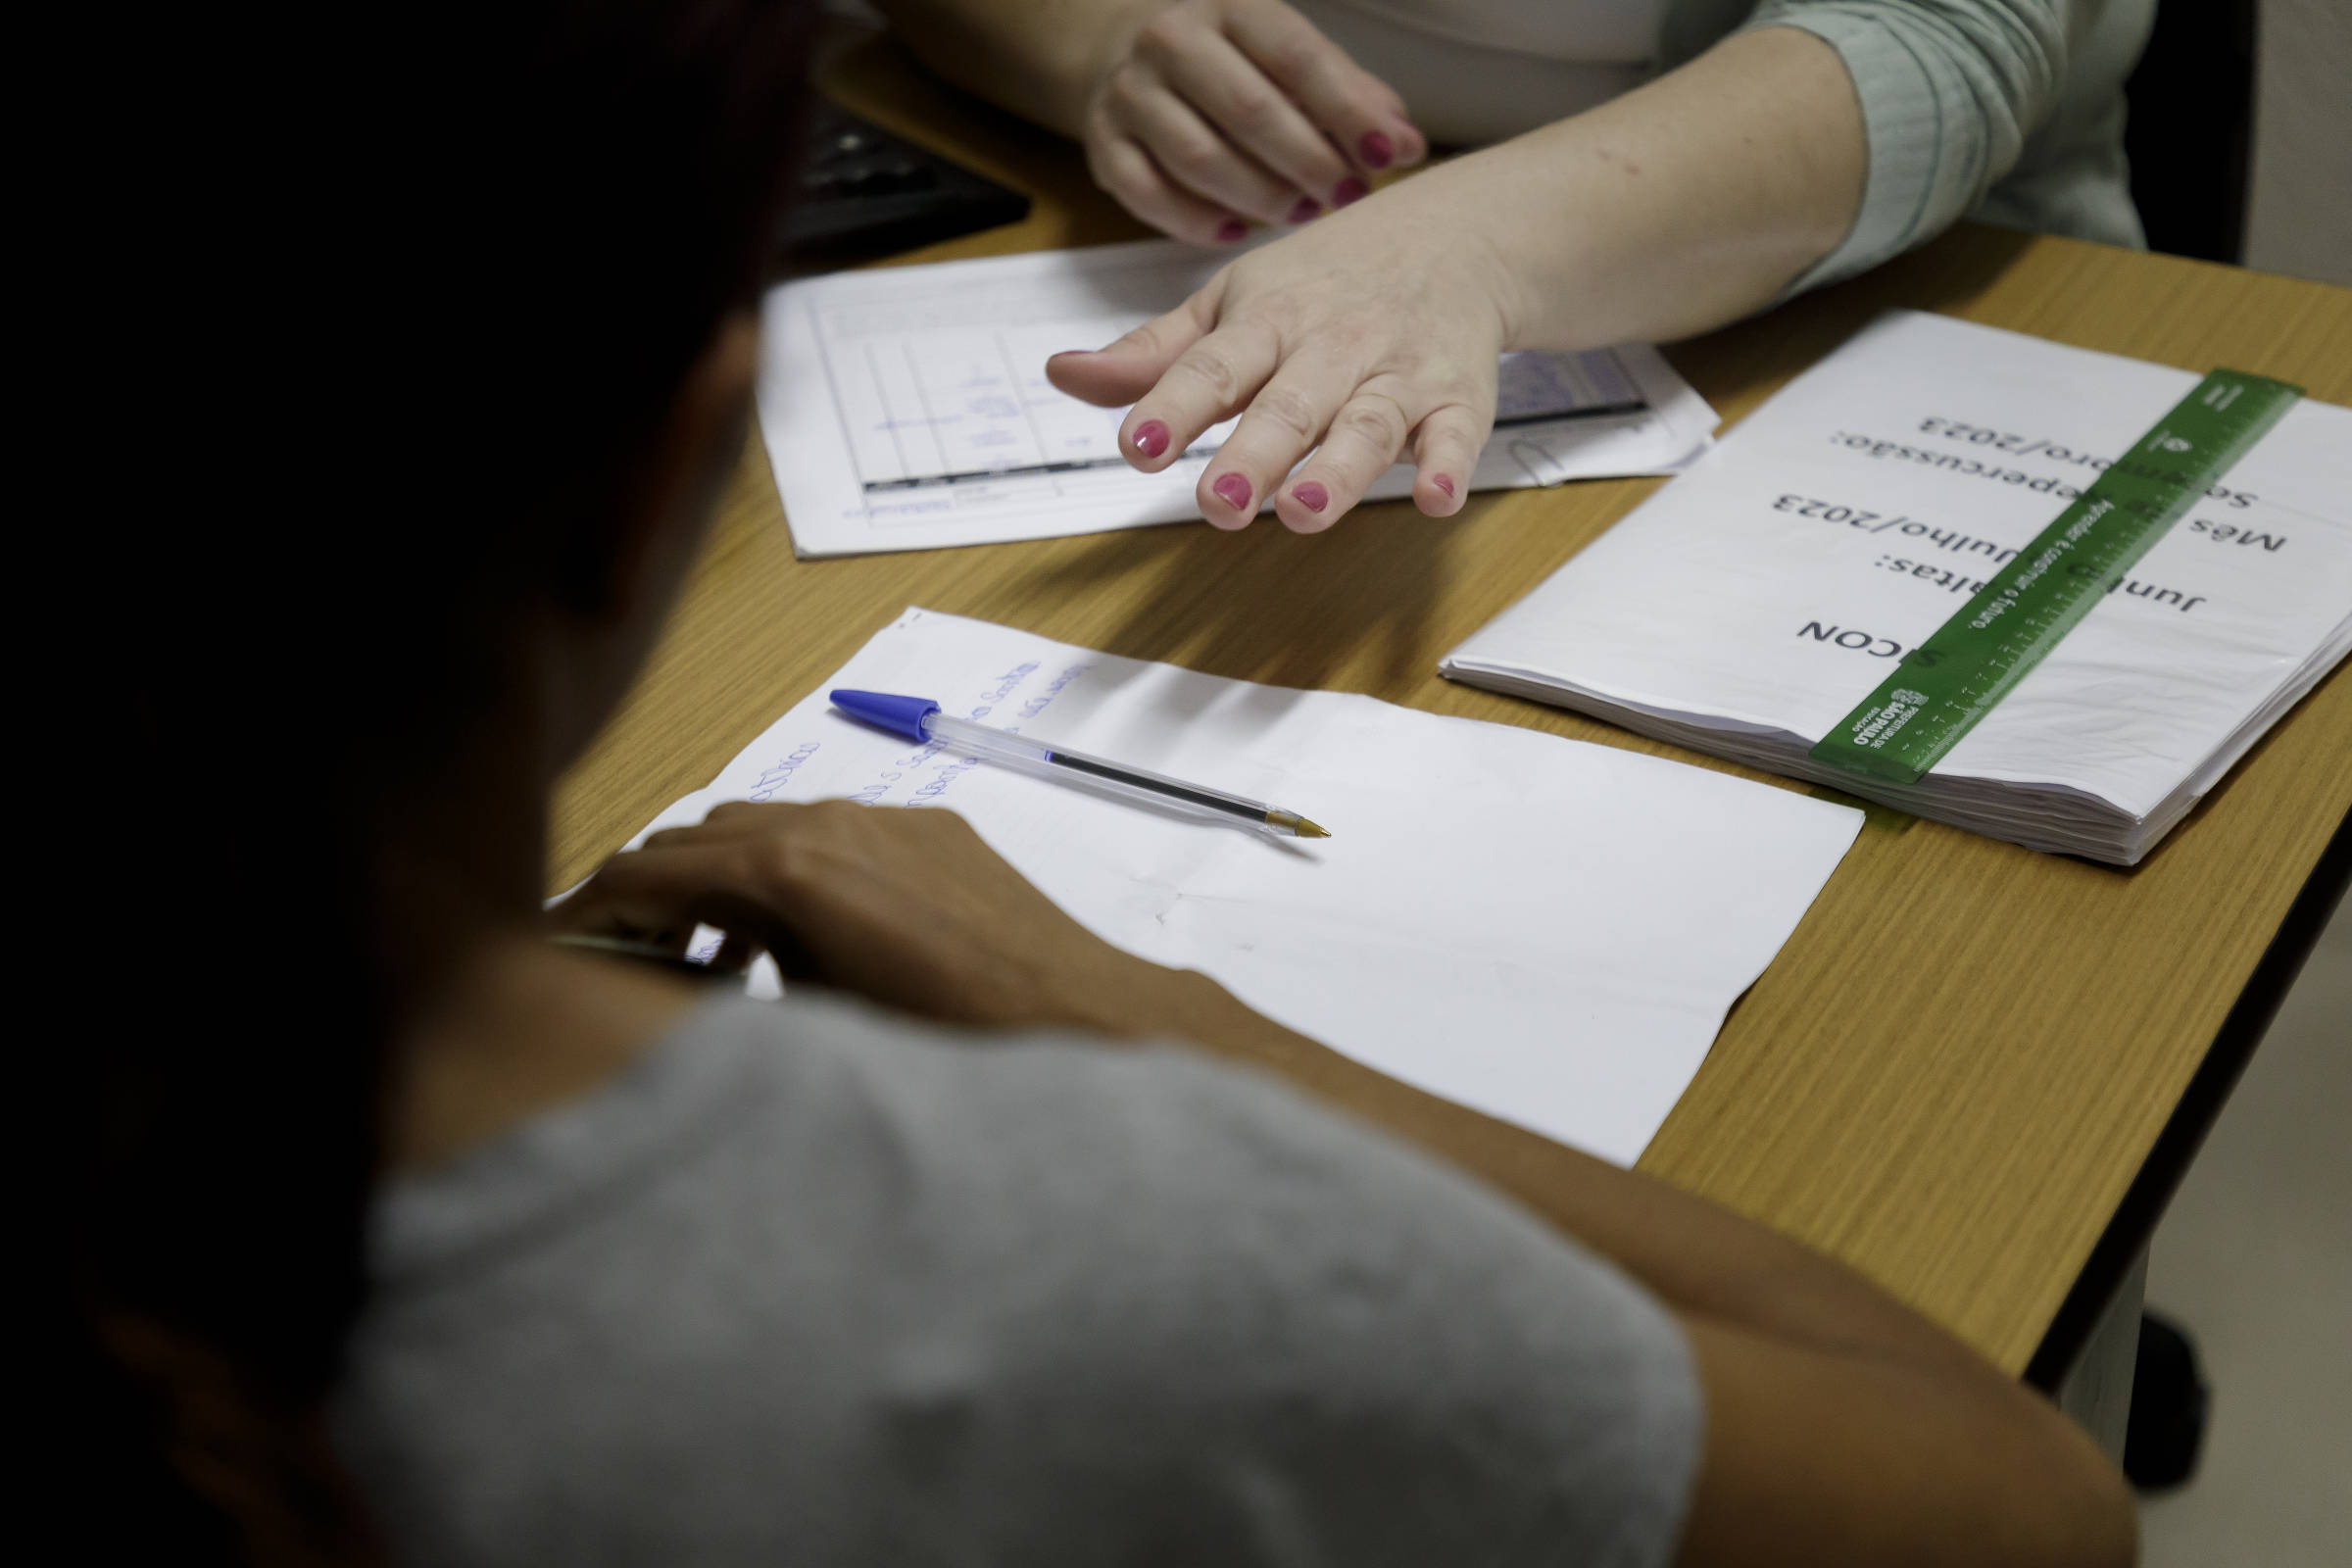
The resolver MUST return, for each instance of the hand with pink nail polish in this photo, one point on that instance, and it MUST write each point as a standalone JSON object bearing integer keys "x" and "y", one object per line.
{"x": 1207, "y": 116}
{"x": 1370, "y": 335}
{"x": 1372, "y": 332}
{"x": 1370, "y": 328}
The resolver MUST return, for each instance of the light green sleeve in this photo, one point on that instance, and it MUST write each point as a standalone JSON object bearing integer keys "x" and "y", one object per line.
{"x": 1951, "y": 92}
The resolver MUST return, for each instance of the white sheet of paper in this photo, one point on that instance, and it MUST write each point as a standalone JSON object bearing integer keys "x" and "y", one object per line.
{"x": 1770, "y": 587}
{"x": 907, "y": 408}
{"x": 1546, "y": 930}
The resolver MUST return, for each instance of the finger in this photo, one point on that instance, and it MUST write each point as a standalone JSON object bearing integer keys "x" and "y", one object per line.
{"x": 1281, "y": 425}
{"x": 668, "y": 890}
{"x": 1131, "y": 366}
{"x": 1193, "y": 152}
{"x": 1446, "y": 449}
{"x": 1208, "y": 382}
{"x": 731, "y": 884}
{"x": 673, "y": 939}
{"x": 736, "y": 818}
{"x": 656, "y": 897}
{"x": 1366, "y": 433}
{"x": 726, "y": 820}
{"x": 1356, "y": 108}
{"x": 1235, "y": 97}
{"x": 1123, "y": 167}
{"x": 735, "y": 954}
{"x": 670, "y": 837}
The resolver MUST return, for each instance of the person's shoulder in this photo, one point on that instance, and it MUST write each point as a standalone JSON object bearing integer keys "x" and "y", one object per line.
{"x": 1210, "y": 1210}
{"x": 1073, "y": 1129}
{"x": 836, "y": 1066}
{"x": 1069, "y": 1298}
{"x": 1048, "y": 1141}
{"x": 1261, "y": 1304}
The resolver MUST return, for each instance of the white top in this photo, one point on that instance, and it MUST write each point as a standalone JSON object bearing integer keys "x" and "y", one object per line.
{"x": 2009, "y": 111}
{"x": 1480, "y": 71}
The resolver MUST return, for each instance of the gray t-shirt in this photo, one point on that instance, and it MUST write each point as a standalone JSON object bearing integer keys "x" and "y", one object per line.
{"x": 813, "y": 1283}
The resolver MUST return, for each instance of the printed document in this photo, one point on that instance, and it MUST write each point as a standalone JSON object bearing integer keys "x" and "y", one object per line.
{"x": 1748, "y": 606}
{"x": 907, "y": 408}
{"x": 1546, "y": 930}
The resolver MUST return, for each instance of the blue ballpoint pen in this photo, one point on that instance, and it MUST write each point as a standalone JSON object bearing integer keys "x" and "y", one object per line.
{"x": 918, "y": 718}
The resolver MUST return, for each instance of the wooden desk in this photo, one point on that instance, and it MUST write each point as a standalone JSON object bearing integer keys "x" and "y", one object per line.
{"x": 1973, "y": 1071}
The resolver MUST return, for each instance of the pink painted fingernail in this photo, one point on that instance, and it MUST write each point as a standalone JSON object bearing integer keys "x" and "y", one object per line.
{"x": 1304, "y": 207}
{"x": 1233, "y": 491}
{"x": 1151, "y": 438}
{"x": 1377, "y": 150}
{"x": 1445, "y": 482}
{"x": 1310, "y": 495}
{"x": 1230, "y": 231}
{"x": 1351, "y": 189}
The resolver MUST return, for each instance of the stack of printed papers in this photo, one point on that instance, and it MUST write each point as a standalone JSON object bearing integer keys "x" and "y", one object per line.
{"x": 1544, "y": 929}
{"x": 907, "y": 408}
{"x": 1755, "y": 600}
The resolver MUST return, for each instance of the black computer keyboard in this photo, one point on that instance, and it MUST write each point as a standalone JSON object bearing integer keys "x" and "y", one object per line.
{"x": 864, "y": 189}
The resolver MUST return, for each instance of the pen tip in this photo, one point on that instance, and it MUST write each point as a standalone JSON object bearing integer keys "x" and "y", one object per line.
{"x": 1308, "y": 830}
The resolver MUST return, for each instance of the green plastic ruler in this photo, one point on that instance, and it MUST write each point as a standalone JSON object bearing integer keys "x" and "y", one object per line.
{"x": 1943, "y": 686}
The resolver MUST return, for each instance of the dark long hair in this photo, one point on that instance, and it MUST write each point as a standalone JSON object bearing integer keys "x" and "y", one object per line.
{"x": 436, "y": 273}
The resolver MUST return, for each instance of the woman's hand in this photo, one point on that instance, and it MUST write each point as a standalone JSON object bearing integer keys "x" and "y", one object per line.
{"x": 1215, "y": 112}
{"x": 1668, "y": 212}
{"x": 908, "y": 908}
{"x": 1369, "y": 336}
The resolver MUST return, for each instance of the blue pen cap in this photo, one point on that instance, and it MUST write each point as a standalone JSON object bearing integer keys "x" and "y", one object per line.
{"x": 901, "y": 715}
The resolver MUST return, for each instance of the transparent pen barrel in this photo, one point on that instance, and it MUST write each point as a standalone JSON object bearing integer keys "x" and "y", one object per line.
{"x": 968, "y": 739}
{"x": 1118, "y": 779}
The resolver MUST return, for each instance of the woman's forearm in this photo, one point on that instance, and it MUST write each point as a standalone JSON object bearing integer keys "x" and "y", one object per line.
{"x": 1675, "y": 208}
{"x": 1037, "y": 58}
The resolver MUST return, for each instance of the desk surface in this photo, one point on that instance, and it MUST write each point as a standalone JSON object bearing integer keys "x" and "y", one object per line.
{"x": 1957, "y": 1069}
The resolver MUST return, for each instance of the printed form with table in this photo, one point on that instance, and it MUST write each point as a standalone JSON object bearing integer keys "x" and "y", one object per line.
{"x": 1546, "y": 930}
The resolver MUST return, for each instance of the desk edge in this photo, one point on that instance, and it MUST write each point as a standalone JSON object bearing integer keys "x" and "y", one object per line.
{"x": 2200, "y": 1104}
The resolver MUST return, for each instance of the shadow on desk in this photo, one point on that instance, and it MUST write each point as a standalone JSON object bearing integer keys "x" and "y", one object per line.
{"x": 1355, "y": 607}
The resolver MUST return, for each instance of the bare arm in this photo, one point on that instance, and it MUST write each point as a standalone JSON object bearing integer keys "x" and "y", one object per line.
{"x": 1672, "y": 210}
{"x": 1683, "y": 205}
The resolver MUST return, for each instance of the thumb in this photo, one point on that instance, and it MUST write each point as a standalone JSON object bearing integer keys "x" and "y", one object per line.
{"x": 1116, "y": 375}
{"x": 659, "y": 895}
